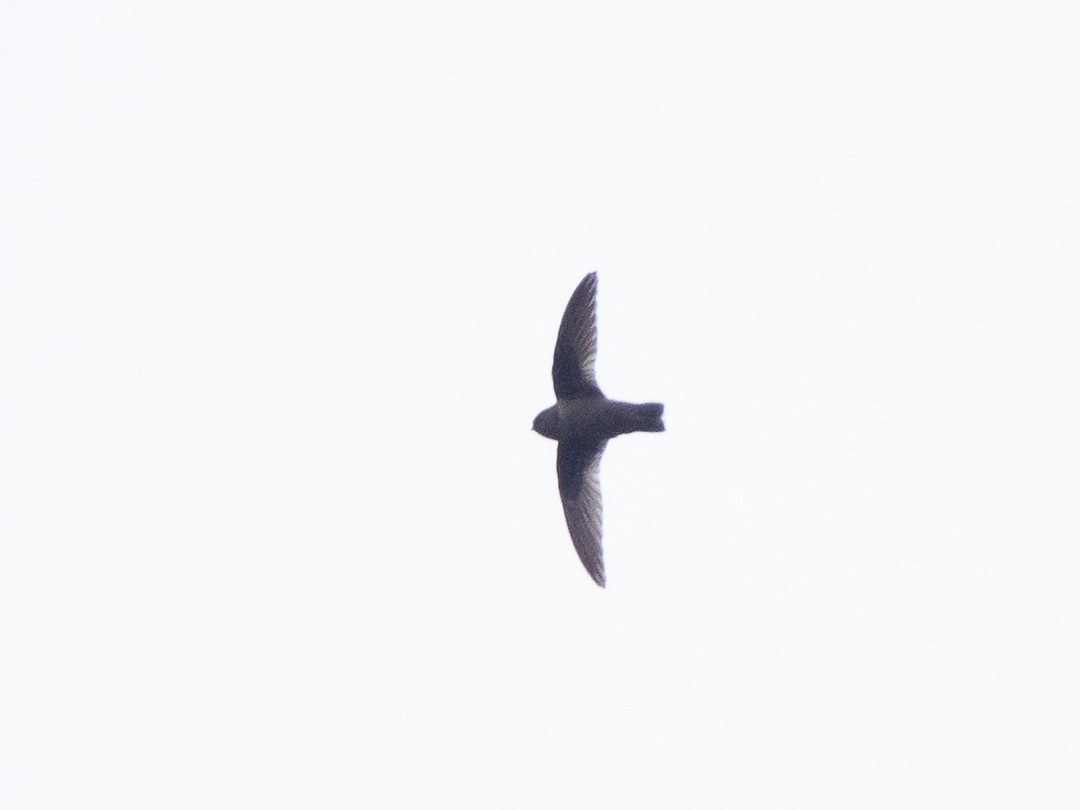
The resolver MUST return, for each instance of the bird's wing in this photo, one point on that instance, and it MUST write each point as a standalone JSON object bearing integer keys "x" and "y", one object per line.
{"x": 579, "y": 486}
{"x": 575, "y": 348}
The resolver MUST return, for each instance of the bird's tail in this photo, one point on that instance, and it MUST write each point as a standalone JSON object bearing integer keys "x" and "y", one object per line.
{"x": 648, "y": 417}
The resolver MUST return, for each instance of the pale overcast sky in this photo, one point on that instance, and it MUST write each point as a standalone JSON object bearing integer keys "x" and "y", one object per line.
{"x": 279, "y": 287}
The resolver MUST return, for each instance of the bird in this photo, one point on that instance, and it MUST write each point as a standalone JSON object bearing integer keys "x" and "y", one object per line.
{"x": 582, "y": 420}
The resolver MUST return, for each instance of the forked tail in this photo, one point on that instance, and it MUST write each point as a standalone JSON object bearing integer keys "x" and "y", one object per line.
{"x": 649, "y": 417}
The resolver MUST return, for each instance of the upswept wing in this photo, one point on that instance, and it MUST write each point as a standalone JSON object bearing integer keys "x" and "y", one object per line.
{"x": 575, "y": 349}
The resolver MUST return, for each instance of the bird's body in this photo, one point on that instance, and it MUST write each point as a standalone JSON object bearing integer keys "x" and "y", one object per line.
{"x": 582, "y": 420}
{"x": 598, "y": 418}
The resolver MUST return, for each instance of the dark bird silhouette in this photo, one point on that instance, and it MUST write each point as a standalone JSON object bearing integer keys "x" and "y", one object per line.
{"x": 582, "y": 420}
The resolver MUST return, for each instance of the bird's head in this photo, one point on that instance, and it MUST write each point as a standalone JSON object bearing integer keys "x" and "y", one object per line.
{"x": 546, "y": 422}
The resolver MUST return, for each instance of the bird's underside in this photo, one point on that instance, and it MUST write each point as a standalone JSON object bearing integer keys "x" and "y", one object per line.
{"x": 582, "y": 421}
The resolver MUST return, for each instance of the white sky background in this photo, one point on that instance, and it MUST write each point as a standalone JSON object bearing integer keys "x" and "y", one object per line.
{"x": 279, "y": 291}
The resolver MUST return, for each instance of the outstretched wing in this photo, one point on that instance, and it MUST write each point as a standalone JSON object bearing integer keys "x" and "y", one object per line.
{"x": 579, "y": 486}
{"x": 575, "y": 348}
